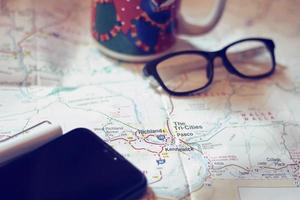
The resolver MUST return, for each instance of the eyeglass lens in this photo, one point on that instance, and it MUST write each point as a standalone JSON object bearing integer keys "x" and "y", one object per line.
{"x": 250, "y": 58}
{"x": 184, "y": 72}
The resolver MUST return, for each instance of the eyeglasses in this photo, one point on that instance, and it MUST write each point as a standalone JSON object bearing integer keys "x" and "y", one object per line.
{"x": 191, "y": 72}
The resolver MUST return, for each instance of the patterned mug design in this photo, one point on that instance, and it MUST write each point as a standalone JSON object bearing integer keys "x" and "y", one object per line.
{"x": 135, "y": 27}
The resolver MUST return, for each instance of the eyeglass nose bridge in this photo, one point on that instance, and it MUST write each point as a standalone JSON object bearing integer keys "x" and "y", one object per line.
{"x": 223, "y": 57}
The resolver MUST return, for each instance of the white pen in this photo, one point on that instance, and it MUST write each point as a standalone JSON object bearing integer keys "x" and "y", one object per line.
{"x": 28, "y": 140}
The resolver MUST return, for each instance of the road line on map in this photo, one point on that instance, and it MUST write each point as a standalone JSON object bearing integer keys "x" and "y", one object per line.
{"x": 141, "y": 148}
{"x": 280, "y": 168}
{"x": 206, "y": 140}
{"x": 153, "y": 143}
{"x": 160, "y": 178}
{"x": 284, "y": 143}
{"x": 231, "y": 165}
{"x": 172, "y": 106}
{"x": 115, "y": 139}
{"x": 191, "y": 146}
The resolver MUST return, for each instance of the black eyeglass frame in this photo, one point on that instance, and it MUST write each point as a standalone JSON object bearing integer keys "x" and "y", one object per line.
{"x": 150, "y": 69}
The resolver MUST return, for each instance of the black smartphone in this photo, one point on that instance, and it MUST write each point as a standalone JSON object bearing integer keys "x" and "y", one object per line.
{"x": 76, "y": 166}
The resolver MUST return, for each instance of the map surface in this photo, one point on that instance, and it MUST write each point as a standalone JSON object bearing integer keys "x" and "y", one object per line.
{"x": 237, "y": 134}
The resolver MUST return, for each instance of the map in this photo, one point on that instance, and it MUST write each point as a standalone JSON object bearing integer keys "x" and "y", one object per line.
{"x": 238, "y": 134}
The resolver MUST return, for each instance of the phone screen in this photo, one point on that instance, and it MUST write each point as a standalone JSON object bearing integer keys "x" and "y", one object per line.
{"x": 78, "y": 165}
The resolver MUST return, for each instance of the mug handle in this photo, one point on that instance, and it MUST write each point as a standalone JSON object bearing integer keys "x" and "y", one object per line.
{"x": 187, "y": 28}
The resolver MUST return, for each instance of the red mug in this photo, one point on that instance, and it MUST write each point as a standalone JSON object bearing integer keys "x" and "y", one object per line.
{"x": 141, "y": 30}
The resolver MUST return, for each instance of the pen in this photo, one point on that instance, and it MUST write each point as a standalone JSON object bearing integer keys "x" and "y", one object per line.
{"x": 28, "y": 140}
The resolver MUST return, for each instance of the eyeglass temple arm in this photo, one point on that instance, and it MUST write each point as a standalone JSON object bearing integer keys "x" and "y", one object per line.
{"x": 151, "y": 80}
{"x": 146, "y": 70}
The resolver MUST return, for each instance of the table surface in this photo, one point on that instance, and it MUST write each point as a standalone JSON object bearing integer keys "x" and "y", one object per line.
{"x": 47, "y": 71}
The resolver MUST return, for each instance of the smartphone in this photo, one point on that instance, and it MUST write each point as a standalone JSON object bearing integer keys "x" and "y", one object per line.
{"x": 76, "y": 166}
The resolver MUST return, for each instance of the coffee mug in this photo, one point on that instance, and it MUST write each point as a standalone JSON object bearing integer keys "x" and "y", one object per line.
{"x": 142, "y": 30}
